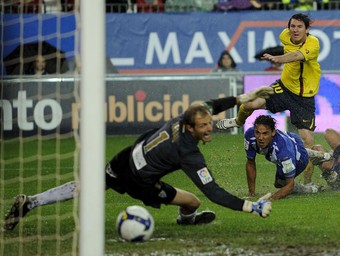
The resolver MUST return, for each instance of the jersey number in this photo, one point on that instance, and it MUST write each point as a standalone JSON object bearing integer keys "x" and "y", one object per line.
{"x": 277, "y": 88}
{"x": 163, "y": 136}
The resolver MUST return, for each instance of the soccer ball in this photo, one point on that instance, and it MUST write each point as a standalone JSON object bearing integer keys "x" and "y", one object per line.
{"x": 135, "y": 224}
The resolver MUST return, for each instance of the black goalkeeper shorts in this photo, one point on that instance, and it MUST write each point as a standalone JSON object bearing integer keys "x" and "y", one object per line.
{"x": 120, "y": 178}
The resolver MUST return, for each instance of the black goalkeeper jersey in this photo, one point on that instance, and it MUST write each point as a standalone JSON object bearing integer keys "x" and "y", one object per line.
{"x": 171, "y": 148}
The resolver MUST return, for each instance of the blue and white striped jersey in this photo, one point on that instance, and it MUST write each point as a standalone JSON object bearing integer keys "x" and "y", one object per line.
{"x": 286, "y": 151}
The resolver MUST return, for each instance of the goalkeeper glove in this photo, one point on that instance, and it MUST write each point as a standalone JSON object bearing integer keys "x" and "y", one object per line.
{"x": 262, "y": 207}
{"x": 261, "y": 92}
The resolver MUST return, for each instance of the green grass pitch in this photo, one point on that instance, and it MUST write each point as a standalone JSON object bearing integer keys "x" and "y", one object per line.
{"x": 298, "y": 225}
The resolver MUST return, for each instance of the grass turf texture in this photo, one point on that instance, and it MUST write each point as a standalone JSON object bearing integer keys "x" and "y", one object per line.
{"x": 298, "y": 225}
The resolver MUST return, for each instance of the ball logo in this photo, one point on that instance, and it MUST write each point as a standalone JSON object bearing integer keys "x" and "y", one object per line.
{"x": 135, "y": 224}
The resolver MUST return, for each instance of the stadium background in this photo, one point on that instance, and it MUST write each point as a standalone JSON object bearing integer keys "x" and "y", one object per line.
{"x": 151, "y": 50}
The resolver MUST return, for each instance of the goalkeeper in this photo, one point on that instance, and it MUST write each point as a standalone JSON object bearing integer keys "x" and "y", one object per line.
{"x": 137, "y": 170}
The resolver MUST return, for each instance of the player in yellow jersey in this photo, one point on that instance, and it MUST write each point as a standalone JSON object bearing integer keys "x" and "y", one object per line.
{"x": 296, "y": 88}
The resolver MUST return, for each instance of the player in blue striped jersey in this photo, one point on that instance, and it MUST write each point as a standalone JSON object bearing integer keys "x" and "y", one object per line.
{"x": 284, "y": 149}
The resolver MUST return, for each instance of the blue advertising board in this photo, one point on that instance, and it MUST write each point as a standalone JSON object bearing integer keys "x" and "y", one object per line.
{"x": 177, "y": 42}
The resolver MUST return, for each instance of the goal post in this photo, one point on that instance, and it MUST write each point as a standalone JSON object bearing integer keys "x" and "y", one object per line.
{"x": 92, "y": 128}
{"x": 52, "y": 128}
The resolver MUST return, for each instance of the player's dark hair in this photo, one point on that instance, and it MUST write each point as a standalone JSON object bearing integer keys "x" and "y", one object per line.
{"x": 190, "y": 114}
{"x": 266, "y": 120}
{"x": 301, "y": 17}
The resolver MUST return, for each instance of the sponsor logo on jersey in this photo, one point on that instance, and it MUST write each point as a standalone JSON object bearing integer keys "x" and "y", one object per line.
{"x": 204, "y": 175}
{"x": 288, "y": 166}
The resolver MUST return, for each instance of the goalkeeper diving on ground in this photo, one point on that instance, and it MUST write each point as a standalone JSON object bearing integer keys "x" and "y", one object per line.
{"x": 137, "y": 170}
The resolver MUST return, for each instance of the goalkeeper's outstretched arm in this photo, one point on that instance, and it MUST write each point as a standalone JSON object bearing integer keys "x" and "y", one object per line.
{"x": 216, "y": 106}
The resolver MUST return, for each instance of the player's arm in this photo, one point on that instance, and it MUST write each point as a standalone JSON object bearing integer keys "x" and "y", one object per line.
{"x": 203, "y": 179}
{"x": 216, "y": 106}
{"x": 251, "y": 176}
{"x": 287, "y": 189}
{"x": 262, "y": 207}
{"x": 285, "y": 58}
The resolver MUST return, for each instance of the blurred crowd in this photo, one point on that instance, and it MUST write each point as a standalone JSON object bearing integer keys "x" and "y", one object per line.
{"x": 42, "y": 63}
{"x": 135, "y": 6}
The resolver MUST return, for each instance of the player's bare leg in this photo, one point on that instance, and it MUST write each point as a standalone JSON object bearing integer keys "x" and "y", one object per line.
{"x": 244, "y": 112}
{"x": 330, "y": 169}
{"x": 332, "y": 137}
{"x": 308, "y": 139}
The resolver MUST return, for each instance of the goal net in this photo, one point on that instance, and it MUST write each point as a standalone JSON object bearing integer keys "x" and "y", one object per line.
{"x": 40, "y": 125}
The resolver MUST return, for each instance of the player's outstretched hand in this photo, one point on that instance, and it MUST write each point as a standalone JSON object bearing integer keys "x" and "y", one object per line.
{"x": 263, "y": 206}
{"x": 261, "y": 92}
